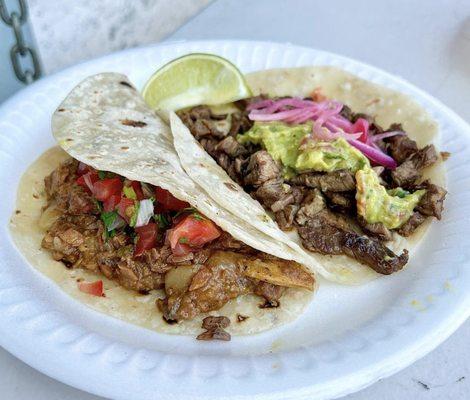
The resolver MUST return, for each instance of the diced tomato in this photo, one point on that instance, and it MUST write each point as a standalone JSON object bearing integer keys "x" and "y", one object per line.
{"x": 168, "y": 201}
{"x": 111, "y": 203}
{"x": 125, "y": 208}
{"x": 192, "y": 232}
{"x": 88, "y": 180}
{"x": 138, "y": 190}
{"x": 181, "y": 249}
{"x": 93, "y": 288}
{"x": 146, "y": 238}
{"x": 361, "y": 125}
{"x": 103, "y": 189}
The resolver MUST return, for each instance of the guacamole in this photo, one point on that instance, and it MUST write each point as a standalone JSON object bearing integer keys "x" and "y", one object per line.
{"x": 283, "y": 143}
{"x": 376, "y": 204}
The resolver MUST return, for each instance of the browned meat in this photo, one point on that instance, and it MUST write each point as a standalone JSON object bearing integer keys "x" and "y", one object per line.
{"x": 338, "y": 181}
{"x": 401, "y": 147}
{"x": 62, "y": 176}
{"x": 212, "y": 286}
{"x": 341, "y": 201}
{"x": 327, "y": 233}
{"x": 271, "y": 293}
{"x": 261, "y": 168}
{"x": 408, "y": 228}
{"x": 408, "y": 173}
{"x": 240, "y": 123}
{"x": 77, "y": 241}
{"x": 215, "y": 329}
{"x": 318, "y": 235}
{"x": 377, "y": 230}
{"x": 432, "y": 203}
{"x": 230, "y": 147}
{"x": 425, "y": 157}
{"x": 202, "y": 122}
{"x": 226, "y": 275}
{"x": 60, "y": 188}
{"x": 285, "y": 217}
{"x": 271, "y": 191}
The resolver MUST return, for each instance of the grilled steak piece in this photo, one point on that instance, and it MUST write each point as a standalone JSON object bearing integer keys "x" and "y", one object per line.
{"x": 408, "y": 173}
{"x": 325, "y": 232}
{"x": 378, "y": 230}
{"x": 338, "y": 181}
{"x": 317, "y": 235}
{"x": 408, "y": 228}
{"x": 261, "y": 168}
{"x": 432, "y": 203}
{"x": 401, "y": 147}
{"x": 344, "y": 202}
{"x": 230, "y": 147}
{"x": 285, "y": 217}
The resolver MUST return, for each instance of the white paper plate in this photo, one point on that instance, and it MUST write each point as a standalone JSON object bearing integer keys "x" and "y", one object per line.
{"x": 349, "y": 337}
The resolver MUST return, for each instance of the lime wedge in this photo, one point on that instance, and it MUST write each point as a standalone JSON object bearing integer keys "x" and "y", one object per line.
{"x": 195, "y": 79}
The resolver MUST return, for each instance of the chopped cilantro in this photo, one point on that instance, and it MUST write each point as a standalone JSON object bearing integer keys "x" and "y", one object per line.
{"x": 102, "y": 175}
{"x": 162, "y": 221}
{"x": 183, "y": 240}
{"x": 108, "y": 217}
{"x": 190, "y": 210}
{"x": 129, "y": 192}
{"x": 98, "y": 204}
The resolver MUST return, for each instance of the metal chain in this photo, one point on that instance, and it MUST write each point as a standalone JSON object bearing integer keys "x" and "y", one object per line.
{"x": 20, "y": 49}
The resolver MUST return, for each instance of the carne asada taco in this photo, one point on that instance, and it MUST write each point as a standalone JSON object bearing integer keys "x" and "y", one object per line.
{"x": 346, "y": 167}
{"x": 112, "y": 217}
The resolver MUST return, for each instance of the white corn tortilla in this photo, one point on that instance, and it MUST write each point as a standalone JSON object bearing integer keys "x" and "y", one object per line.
{"x": 119, "y": 302}
{"x": 386, "y": 105}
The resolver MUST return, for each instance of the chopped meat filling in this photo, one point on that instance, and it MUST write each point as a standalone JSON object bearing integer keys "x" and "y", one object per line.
{"x": 322, "y": 205}
{"x": 216, "y": 272}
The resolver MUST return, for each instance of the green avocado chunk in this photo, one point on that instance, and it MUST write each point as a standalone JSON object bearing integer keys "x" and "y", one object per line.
{"x": 376, "y": 204}
{"x": 283, "y": 143}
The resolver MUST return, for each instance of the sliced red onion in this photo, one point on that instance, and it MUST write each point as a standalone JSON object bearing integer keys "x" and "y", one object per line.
{"x": 361, "y": 125}
{"x": 275, "y": 117}
{"x": 145, "y": 212}
{"x": 374, "y": 154}
{"x": 341, "y": 123}
{"x": 380, "y": 136}
{"x": 88, "y": 181}
{"x": 260, "y": 104}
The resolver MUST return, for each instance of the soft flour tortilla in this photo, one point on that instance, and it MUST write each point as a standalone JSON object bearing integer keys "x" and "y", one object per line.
{"x": 121, "y": 303}
{"x": 105, "y": 123}
{"x": 386, "y": 105}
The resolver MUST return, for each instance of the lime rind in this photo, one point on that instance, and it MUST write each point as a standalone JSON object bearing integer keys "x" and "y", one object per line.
{"x": 195, "y": 79}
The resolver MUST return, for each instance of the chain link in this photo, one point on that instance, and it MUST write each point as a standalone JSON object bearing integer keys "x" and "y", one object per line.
{"x": 20, "y": 49}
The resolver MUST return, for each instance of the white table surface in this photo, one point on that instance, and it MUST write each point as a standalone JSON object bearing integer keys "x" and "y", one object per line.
{"x": 427, "y": 43}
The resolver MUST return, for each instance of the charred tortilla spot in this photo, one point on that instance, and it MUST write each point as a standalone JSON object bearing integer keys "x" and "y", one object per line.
{"x": 131, "y": 122}
{"x": 61, "y": 110}
{"x": 445, "y": 155}
{"x": 69, "y": 140}
{"x": 241, "y": 318}
{"x": 124, "y": 83}
{"x": 270, "y": 304}
{"x": 18, "y": 212}
{"x": 36, "y": 196}
{"x": 231, "y": 186}
{"x": 125, "y": 148}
